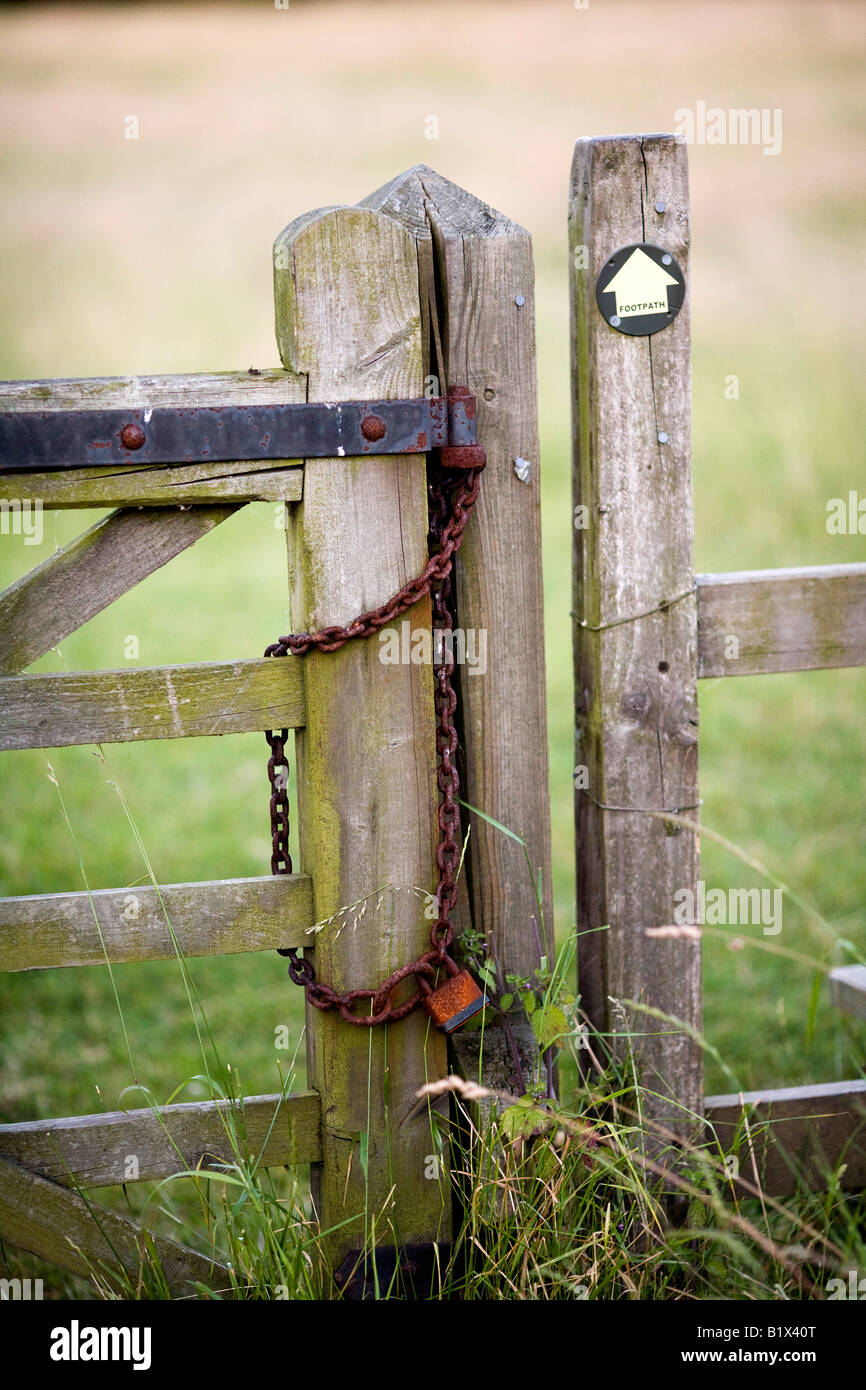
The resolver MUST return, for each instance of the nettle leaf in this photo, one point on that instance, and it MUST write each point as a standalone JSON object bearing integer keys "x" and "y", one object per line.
{"x": 549, "y": 1025}
{"x": 529, "y": 1002}
{"x": 487, "y": 974}
{"x": 522, "y": 1121}
{"x": 505, "y": 1002}
{"x": 475, "y": 1023}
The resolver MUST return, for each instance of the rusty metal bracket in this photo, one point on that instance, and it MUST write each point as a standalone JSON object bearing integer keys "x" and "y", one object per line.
{"x": 49, "y": 440}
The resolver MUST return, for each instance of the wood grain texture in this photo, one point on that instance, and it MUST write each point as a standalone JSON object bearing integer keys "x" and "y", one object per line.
{"x": 799, "y": 1134}
{"x": 163, "y": 484}
{"x": 50, "y": 1221}
{"x": 635, "y": 683}
{"x": 45, "y": 930}
{"x": 272, "y": 386}
{"x": 348, "y": 316}
{"x": 87, "y": 575}
{"x": 123, "y": 1146}
{"x": 848, "y": 989}
{"x": 196, "y": 700}
{"x": 757, "y": 622}
{"x": 484, "y": 263}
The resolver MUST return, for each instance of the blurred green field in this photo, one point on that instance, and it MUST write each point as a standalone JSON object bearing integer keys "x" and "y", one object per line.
{"x": 121, "y": 256}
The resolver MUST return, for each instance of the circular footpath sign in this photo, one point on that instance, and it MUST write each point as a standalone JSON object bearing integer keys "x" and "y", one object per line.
{"x": 640, "y": 289}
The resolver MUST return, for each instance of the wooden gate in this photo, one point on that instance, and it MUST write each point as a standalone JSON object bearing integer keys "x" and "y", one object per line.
{"x": 352, "y": 323}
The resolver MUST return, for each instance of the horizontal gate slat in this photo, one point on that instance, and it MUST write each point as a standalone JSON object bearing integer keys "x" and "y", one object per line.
{"x": 758, "y": 622}
{"x": 271, "y": 386}
{"x": 798, "y": 1133}
{"x": 201, "y": 699}
{"x": 159, "y": 485}
{"x": 222, "y": 917}
{"x": 95, "y": 1150}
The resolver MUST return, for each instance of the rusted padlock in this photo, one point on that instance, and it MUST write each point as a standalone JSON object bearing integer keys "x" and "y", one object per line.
{"x": 453, "y": 1002}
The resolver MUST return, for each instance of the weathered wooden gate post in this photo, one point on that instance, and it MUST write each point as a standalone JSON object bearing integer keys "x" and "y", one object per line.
{"x": 347, "y": 312}
{"x": 635, "y": 625}
{"x": 486, "y": 292}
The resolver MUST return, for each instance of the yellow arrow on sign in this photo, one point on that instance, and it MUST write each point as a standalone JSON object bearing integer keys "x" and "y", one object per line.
{"x": 640, "y": 286}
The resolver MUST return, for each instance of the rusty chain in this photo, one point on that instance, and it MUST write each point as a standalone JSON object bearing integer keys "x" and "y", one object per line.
{"x": 452, "y": 496}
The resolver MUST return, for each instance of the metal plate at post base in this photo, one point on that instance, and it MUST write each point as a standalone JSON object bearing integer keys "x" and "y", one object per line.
{"x": 411, "y": 1272}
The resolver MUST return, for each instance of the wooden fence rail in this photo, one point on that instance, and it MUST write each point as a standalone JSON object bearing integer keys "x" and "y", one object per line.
{"x": 762, "y": 621}
{"x": 798, "y": 1136}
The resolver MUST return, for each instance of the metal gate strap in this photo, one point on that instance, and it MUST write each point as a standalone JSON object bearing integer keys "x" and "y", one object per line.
{"x": 46, "y": 440}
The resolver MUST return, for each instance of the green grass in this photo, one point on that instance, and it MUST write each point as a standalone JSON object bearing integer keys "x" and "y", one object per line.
{"x": 569, "y": 1200}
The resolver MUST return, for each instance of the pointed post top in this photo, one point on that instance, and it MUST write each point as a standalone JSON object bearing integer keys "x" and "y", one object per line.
{"x": 420, "y": 190}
